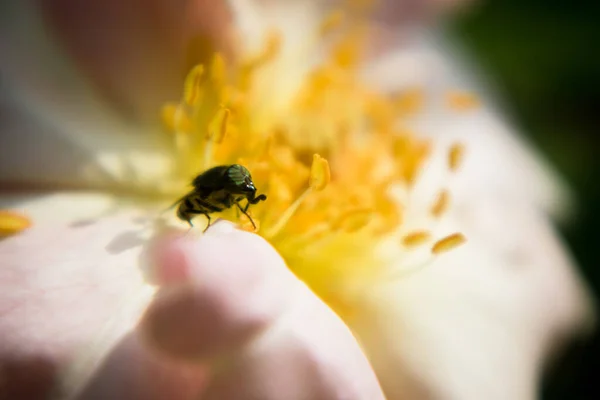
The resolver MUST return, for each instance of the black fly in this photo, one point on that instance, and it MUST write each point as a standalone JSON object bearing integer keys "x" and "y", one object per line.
{"x": 217, "y": 189}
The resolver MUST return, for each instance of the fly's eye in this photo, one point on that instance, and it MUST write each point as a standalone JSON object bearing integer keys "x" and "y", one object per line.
{"x": 237, "y": 176}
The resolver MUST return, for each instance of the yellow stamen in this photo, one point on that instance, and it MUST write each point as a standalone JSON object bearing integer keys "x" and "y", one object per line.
{"x": 319, "y": 173}
{"x": 329, "y": 164}
{"x": 455, "y": 156}
{"x": 288, "y": 213}
{"x": 353, "y": 220}
{"x": 273, "y": 47}
{"x": 271, "y": 50}
{"x": 175, "y": 120}
{"x": 441, "y": 204}
{"x": 182, "y": 142}
{"x": 409, "y": 102}
{"x": 448, "y": 243}
{"x": 168, "y": 113}
{"x": 416, "y": 238}
{"x": 219, "y": 126}
{"x": 12, "y": 223}
{"x": 208, "y": 150}
{"x": 218, "y": 70}
{"x": 217, "y": 129}
{"x": 267, "y": 148}
{"x": 331, "y": 22}
{"x": 192, "y": 89}
{"x": 410, "y": 155}
{"x": 346, "y": 54}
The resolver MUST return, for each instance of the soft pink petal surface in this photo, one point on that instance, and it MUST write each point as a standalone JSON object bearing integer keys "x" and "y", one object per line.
{"x": 72, "y": 291}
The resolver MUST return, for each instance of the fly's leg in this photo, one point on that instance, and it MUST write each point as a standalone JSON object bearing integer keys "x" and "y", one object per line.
{"x": 208, "y": 225}
{"x": 189, "y": 219}
{"x": 243, "y": 210}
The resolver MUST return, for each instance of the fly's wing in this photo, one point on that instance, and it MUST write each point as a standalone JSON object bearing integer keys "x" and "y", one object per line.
{"x": 175, "y": 204}
{"x": 211, "y": 180}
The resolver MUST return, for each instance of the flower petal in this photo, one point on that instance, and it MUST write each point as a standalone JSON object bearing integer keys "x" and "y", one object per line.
{"x": 480, "y": 321}
{"x": 499, "y": 162}
{"x": 57, "y": 129}
{"x": 136, "y": 53}
{"x": 296, "y": 23}
{"x": 475, "y": 323}
{"x": 71, "y": 285}
{"x": 236, "y": 317}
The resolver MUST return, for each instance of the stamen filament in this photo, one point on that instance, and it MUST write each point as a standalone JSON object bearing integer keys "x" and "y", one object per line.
{"x": 181, "y": 138}
{"x": 403, "y": 272}
{"x": 208, "y": 153}
{"x": 287, "y": 214}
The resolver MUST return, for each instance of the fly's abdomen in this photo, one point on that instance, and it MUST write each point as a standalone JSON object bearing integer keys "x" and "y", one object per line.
{"x": 194, "y": 203}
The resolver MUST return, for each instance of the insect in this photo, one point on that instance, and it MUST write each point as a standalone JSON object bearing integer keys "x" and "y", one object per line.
{"x": 217, "y": 189}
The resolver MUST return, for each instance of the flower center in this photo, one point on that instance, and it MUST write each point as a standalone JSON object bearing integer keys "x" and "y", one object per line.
{"x": 328, "y": 160}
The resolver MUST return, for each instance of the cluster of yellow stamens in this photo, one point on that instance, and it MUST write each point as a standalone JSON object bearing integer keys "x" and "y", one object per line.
{"x": 327, "y": 163}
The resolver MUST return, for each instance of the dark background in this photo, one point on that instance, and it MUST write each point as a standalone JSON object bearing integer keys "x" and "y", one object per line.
{"x": 544, "y": 55}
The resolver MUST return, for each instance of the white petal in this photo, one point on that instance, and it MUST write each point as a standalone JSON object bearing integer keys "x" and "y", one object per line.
{"x": 296, "y": 20}
{"x": 55, "y": 129}
{"x": 71, "y": 285}
{"x": 297, "y": 23}
{"x": 480, "y": 321}
{"x": 476, "y": 324}
{"x": 500, "y": 162}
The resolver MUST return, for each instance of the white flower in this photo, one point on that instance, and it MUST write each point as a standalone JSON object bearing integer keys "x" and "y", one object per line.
{"x": 475, "y": 323}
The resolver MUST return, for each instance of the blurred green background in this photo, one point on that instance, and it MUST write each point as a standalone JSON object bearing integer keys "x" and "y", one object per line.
{"x": 545, "y": 57}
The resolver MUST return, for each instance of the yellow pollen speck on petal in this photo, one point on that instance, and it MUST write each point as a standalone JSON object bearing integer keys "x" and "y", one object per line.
{"x": 441, "y": 204}
{"x": 416, "y": 238}
{"x": 12, "y": 223}
{"x": 319, "y": 173}
{"x": 462, "y": 101}
{"x": 448, "y": 243}
{"x": 455, "y": 156}
{"x": 192, "y": 89}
